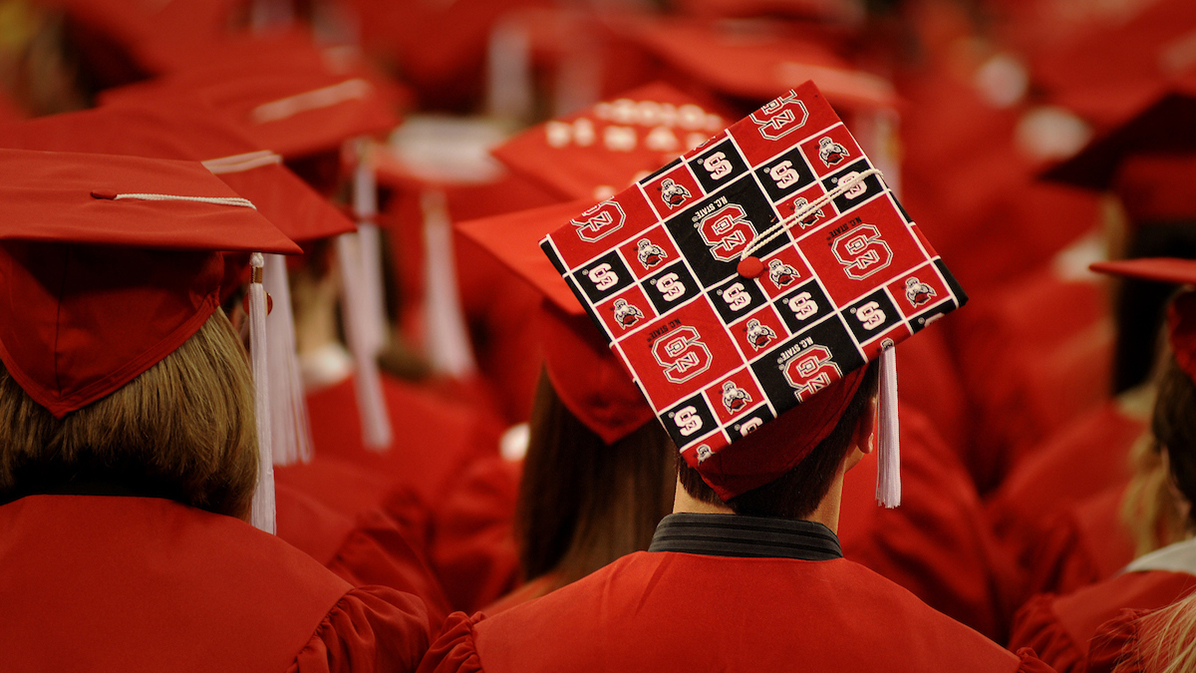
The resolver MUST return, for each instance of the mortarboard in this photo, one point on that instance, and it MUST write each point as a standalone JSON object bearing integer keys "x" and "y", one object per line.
{"x": 754, "y": 66}
{"x": 750, "y": 280}
{"x": 1149, "y": 158}
{"x": 184, "y": 127}
{"x": 289, "y": 99}
{"x": 593, "y": 153}
{"x": 112, "y": 263}
{"x": 590, "y": 381}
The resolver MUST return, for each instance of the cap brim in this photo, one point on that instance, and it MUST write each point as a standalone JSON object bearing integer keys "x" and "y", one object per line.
{"x": 514, "y": 238}
{"x": 1160, "y": 269}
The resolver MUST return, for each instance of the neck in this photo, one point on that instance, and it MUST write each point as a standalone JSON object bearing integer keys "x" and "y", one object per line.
{"x": 827, "y": 512}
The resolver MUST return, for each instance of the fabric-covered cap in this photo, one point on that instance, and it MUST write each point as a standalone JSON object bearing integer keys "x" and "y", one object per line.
{"x": 590, "y": 381}
{"x": 742, "y": 280}
{"x": 108, "y": 264}
{"x": 1181, "y": 314}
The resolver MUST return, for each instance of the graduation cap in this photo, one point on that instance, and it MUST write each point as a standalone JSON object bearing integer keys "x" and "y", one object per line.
{"x": 1149, "y": 158}
{"x": 287, "y": 98}
{"x": 185, "y": 127}
{"x": 756, "y": 65}
{"x": 1181, "y": 313}
{"x": 590, "y": 381}
{"x": 112, "y": 263}
{"x": 595, "y": 152}
{"x": 767, "y": 267}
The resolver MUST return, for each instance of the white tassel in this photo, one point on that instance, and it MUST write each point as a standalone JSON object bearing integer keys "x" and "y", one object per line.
{"x": 262, "y": 514}
{"x": 373, "y": 285}
{"x": 888, "y": 446}
{"x": 447, "y": 338}
{"x": 289, "y": 421}
{"x": 375, "y": 420}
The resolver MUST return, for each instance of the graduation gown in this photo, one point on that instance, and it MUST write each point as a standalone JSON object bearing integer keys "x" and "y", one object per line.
{"x": 128, "y": 584}
{"x": 722, "y": 592}
{"x": 1060, "y": 628}
{"x": 937, "y": 544}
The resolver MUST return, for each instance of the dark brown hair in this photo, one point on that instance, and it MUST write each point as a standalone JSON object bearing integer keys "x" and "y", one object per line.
{"x": 184, "y": 429}
{"x": 798, "y": 492}
{"x": 584, "y": 503}
{"x": 1173, "y": 424}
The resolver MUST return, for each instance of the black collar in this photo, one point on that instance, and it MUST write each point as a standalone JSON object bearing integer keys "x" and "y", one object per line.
{"x": 745, "y": 536}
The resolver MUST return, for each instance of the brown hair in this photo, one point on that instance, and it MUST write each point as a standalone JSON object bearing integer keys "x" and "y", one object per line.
{"x": 184, "y": 429}
{"x": 798, "y": 492}
{"x": 584, "y": 503}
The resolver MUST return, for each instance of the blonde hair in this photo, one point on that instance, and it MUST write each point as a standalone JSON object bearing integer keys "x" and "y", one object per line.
{"x": 1167, "y": 640}
{"x": 183, "y": 429}
{"x": 1149, "y": 508}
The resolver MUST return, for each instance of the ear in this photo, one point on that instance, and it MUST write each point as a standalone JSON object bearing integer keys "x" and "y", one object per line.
{"x": 865, "y": 431}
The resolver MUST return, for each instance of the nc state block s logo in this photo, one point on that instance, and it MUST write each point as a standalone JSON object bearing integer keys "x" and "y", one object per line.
{"x": 780, "y": 117}
{"x": 726, "y": 231}
{"x": 599, "y": 221}
{"x": 681, "y": 354}
{"x": 811, "y": 370}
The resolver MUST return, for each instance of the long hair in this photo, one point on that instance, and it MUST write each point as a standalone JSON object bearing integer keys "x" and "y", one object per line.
{"x": 1166, "y": 640}
{"x": 584, "y": 503}
{"x": 184, "y": 429}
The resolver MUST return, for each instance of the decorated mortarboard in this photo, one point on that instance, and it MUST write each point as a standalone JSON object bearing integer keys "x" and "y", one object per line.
{"x": 108, "y": 264}
{"x": 1181, "y": 312}
{"x": 588, "y": 378}
{"x": 741, "y": 281}
{"x": 593, "y": 153}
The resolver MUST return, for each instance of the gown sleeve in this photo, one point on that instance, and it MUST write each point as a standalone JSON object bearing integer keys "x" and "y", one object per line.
{"x": 1036, "y": 627}
{"x": 1114, "y": 640}
{"x": 1030, "y": 663}
{"x": 455, "y": 650}
{"x": 370, "y": 629}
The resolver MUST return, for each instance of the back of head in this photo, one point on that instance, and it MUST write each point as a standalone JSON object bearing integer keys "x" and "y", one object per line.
{"x": 799, "y": 491}
{"x": 183, "y": 429}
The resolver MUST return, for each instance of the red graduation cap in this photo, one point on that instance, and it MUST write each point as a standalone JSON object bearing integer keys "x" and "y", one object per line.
{"x": 755, "y": 66}
{"x": 589, "y": 380}
{"x": 185, "y": 127}
{"x": 108, "y": 264}
{"x": 1149, "y": 158}
{"x": 285, "y": 96}
{"x": 607, "y": 146}
{"x": 1181, "y": 314}
{"x": 747, "y": 306}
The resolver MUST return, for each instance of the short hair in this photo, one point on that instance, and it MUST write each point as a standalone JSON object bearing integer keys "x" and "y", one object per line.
{"x": 582, "y": 502}
{"x": 184, "y": 429}
{"x": 798, "y": 492}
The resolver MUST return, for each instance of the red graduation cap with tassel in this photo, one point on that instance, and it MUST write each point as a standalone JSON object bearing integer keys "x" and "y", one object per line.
{"x": 112, "y": 263}
{"x": 763, "y": 267}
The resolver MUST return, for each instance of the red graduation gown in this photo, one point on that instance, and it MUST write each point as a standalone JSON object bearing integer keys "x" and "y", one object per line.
{"x": 1119, "y": 641}
{"x": 434, "y": 440}
{"x": 1082, "y": 459}
{"x": 1061, "y": 628}
{"x": 937, "y": 544}
{"x": 145, "y": 584}
{"x": 673, "y": 611}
